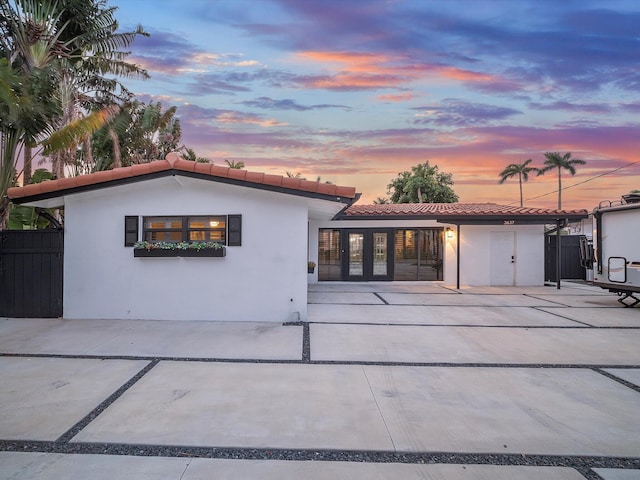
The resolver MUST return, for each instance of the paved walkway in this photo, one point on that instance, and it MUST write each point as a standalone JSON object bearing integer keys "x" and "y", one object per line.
{"x": 385, "y": 381}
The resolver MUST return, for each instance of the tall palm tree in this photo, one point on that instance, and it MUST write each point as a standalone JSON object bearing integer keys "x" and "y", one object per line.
{"x": 95, "y": 58}
{"x": 522, "y": 170}
{"x": 555, "y": 161}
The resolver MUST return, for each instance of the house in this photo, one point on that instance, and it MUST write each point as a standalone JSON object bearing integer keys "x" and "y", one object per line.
{"x": 266, "y": 228}
{"x": 470, "y": 244}
{"x": 260, "y": 219}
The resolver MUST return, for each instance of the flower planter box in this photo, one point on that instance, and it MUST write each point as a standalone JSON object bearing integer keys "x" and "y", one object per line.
{"x": 191, "y": 252}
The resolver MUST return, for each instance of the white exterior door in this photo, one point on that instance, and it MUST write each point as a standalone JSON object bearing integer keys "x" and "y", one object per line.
{"x": 503, "y": 258}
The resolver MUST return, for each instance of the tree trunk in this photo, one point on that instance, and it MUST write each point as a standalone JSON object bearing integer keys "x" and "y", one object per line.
{"x": 4, "y": 213}
{"x": 420, "y": 195}
{"x": 88, "y": 155}
{"x": 117, "y": 157}
{"x": 520, "y": 179}
{"x": 26, "y": 171}
{"x": 57, "y": 164}
{"x": 559, "y": 189}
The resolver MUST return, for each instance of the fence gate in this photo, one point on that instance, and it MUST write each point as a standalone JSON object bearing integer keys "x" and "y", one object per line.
{"x": 570, "y": 266}
{"x": 31, "y": 273}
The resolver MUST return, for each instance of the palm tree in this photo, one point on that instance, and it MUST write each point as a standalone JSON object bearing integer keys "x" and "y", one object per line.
{"x": 522, "y": 170}
{"x": 233, "y": 164}
{"x": 76, "y": 43}
{"x": 26, "y": 108}
{"x": 191, "y": 155}
{"x": 560, "y": 162}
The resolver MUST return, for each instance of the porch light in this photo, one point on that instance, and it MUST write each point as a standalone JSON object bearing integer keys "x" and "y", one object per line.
{"x": 449, "y": 233}
{"x": 214, "y": 224}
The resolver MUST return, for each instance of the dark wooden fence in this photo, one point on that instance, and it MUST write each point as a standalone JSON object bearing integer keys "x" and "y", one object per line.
{"x": 570, "y": 267}
{"x": 31, "y": 265}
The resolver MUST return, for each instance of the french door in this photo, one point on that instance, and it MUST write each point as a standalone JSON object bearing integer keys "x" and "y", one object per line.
{"x": 368, "y": 254}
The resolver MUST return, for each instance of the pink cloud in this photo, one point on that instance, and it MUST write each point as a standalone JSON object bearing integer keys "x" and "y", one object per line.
{"x": 398, "y": 97}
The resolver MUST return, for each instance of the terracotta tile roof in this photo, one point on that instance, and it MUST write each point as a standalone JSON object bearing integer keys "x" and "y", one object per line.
{"x": 444, "y": 210}
{"x": 175, "y": 164}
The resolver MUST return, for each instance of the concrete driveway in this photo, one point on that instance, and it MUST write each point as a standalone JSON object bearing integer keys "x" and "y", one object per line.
{"x": 385, "y": 381}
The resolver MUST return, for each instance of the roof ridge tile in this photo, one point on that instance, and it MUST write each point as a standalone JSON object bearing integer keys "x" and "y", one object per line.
{"x": 174, "y": 162}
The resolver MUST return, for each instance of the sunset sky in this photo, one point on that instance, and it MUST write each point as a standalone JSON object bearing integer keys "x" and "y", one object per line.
{"x": 357, "y": 91}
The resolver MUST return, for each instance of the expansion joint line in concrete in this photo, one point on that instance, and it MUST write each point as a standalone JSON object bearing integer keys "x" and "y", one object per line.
{"x": 582, "y": 463}
{"x": 73, "y": 431}
{"x": 373, "y": 396}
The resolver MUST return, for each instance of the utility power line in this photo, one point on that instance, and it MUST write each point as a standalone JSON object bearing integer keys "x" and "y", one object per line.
{"x": 580, "y": 183}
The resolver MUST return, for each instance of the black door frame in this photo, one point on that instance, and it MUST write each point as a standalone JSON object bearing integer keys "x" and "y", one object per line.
{"x": 367, "y": 254}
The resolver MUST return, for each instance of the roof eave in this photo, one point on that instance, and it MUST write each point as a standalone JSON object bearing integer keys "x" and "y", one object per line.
{"x": 497, "y": 219}
{"x": 60, "y": 194}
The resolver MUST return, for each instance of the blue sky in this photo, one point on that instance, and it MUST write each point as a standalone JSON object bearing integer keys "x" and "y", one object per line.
{"x": 357, "y": 91}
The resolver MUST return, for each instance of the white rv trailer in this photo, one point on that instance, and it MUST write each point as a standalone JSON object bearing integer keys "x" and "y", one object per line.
{"x": 616, "y": 238}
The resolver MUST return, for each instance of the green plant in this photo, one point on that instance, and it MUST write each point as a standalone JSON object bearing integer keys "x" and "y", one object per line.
{"x": 311, "y": 264}
{"x": 144, "y": 245}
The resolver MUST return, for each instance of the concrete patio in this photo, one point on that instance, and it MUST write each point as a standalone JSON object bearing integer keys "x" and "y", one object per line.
{"x": 385, "y": 381}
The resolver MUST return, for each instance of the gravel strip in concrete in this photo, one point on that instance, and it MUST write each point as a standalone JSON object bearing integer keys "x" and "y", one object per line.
{"x": 631, "y": 375}
{"x": 47, "y": 466}
{"x": 599, "y": 317}
{"x": 345, "y": 298}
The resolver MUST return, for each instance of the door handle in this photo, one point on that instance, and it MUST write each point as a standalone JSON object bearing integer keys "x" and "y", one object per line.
{"x": 513, "y": 259}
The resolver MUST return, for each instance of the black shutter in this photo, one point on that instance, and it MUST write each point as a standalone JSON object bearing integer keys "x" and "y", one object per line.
{"x": 130, "y": 230}
{"x": 234, "y": 228}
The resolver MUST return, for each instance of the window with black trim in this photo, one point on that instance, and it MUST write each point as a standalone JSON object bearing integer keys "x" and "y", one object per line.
{"x": 224, "y": 229}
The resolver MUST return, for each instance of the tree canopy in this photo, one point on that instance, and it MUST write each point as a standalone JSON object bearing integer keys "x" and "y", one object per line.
{"x": 58, "y": 60}
{"x": 555, "y": 161}
{"x": 423, "y": 184}
{"x": 522, "y": 170}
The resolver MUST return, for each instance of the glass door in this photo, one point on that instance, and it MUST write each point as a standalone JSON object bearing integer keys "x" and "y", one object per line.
{"x": 329, "y": 254}
{"x": 380, "y": 257}
{"x": 418, "y": 254}
{"x": 368, "y": 256}
{"x": 356, "y": 254}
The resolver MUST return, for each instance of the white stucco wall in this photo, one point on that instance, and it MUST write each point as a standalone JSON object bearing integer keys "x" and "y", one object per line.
{"x": 475, "y": 248}
{"x": 475, "y": 254}
{"x": 262, "y": 280}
